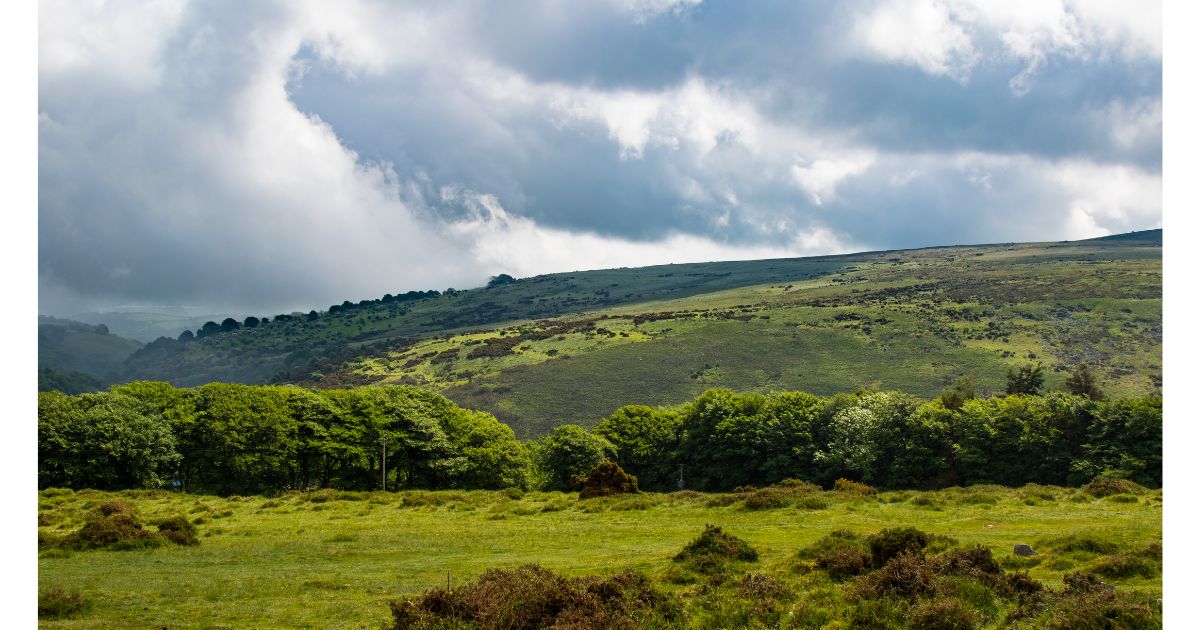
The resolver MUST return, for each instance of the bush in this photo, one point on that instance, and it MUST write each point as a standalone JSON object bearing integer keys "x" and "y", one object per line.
{"x": 605, "y": 479}
{"x": 905, "y": 576}
{"x": 843, "y": 563}
{"x": 709, "y": 551}
{"x": 55, "y": 602}
{"x": 1104, "y": 486}
{"x": 531, "y": 596}
{"x": 766, "y": 499}
{"x": 119, "y": 531}
{"x": 890, "y": 543}
{"x": 976, "y": 562}
{"x": 799, "y": 486}
{"x": 852, "y": 487}
{"x": 178, "y": 530}
{"x": 943, "y": 614}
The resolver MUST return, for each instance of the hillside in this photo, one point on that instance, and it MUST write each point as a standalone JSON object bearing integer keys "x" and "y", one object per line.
{"x": 570, "y": 347}
{"x": 74, "y": 357}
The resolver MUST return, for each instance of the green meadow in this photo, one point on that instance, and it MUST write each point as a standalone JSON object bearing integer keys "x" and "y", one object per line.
{"x": 332, "y": 559}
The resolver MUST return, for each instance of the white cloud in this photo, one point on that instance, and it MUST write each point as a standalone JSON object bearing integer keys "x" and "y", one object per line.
{"x": 821, "y": 178}
{"x": 951, "y": 37}
{"x": 500, "y": 240}
{"x": 924, "y": 33}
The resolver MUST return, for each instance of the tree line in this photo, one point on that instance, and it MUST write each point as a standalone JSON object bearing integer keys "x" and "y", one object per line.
{"x": 243, "y": 439}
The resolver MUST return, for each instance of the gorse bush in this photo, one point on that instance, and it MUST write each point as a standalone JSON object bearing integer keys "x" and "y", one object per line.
{"x": 115, "y": 525}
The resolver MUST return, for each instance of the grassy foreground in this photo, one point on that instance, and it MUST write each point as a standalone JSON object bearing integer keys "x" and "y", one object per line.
{"x": 335, "y": 560}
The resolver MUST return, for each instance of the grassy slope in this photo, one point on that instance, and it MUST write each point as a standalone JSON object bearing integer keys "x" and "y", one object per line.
{"x": 912, "y": 320}
{"x": 66, "y": 345}
{"x": 290, "y": 562}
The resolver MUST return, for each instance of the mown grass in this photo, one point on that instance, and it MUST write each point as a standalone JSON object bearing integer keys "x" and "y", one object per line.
{"x": 335, "y": 560}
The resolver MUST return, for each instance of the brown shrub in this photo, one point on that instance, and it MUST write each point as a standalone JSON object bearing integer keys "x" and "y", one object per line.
{"x": 843, "y": 562}
{"x": 55, "y": 602}
{"x": 943, "y": 614}
{"x": 1103, "y": 486}
{"x": 605, "y": 479}
{"x": 889, "y": 543}
{"x": 852, "y": 487}
{"x": 766, "y": 499}
{"x": 118, "y": 531}
{"x": 905, "y": 576}
{"x": 716, "y": 543}
{"x": 178, "y": 530}
{"x": 976, "y": 562}
{"x": 535, "y": 597}
{"x": 762, "y": 587}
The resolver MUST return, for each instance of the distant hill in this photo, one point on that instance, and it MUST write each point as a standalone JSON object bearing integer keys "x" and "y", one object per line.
{"x": 570, "y": 347}
{"x": 75, "y": 357}
{"x": 146, "y": 325}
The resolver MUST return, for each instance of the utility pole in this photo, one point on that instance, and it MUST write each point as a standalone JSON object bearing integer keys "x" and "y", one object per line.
{"x": 383, "y": 468}
{"x": 681, "y": 476}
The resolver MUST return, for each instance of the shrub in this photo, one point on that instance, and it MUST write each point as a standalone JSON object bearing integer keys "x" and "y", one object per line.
{"x": 766, "y": 499}
{"x": 976, "y": 562}
{"x": 1101, "y": 609}
{"x": 799, "y": 486}
{"x": 843, "y": 562}
{"x": 118, "y": 531}
{"x": 943, "y": 614}
{"x": 531, "y": 596}
{"x": 708, "y": 552}
{"x": 763, "y": 587}
{"x": 55, "y": 602}
{"x": 178, "y": 530}
{"x": 811, "y": 503}
{"x": 605, "y": 479}
{"x": 889, "y": 543}
{"x": 905, "y": 575}
{"x": 852, "y": 487}
{"x": 1104, "y": 486}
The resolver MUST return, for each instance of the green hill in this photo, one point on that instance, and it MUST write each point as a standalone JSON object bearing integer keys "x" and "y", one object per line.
{"x": 571, "y": 347}
{"x": 75, "y": 357}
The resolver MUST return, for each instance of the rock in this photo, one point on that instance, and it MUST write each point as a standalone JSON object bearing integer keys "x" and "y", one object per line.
{"x": 1023, "y": 550}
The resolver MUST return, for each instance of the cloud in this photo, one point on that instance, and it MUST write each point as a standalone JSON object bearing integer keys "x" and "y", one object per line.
{"x": 287, "y": 155}
{"x": 951, "y": 37}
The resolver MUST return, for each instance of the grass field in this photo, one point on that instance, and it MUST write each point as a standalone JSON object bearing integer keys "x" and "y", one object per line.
{"x": 335, "y": 560}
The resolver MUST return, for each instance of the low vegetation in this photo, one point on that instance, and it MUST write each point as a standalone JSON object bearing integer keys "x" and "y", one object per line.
{"x": 510, "y": 559}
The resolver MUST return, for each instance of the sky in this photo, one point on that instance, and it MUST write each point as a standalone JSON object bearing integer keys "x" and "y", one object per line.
{"x": 263, "y": 157}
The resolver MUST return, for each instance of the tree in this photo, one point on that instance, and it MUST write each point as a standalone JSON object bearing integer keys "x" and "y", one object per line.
{"x": 645, "y": 439}
{"x": 251, "y": 322}
{"x": 209, "y": 328}
{"x": 186, "y": 336}
{"x": 104, "y": 441}
{"x": 570, "y": 451}
{"x": 500, "y": 280}
{"x": 1025, "y": 380}
{"x": 964, "y": 389}
{"x": 230, "y": 324}
{"x": 313, "y": 316}
{"x": 1083, "y": 382}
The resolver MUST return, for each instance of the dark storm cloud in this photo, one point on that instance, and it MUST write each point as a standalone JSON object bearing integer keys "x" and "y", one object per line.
{"x": 277, "y": 155}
